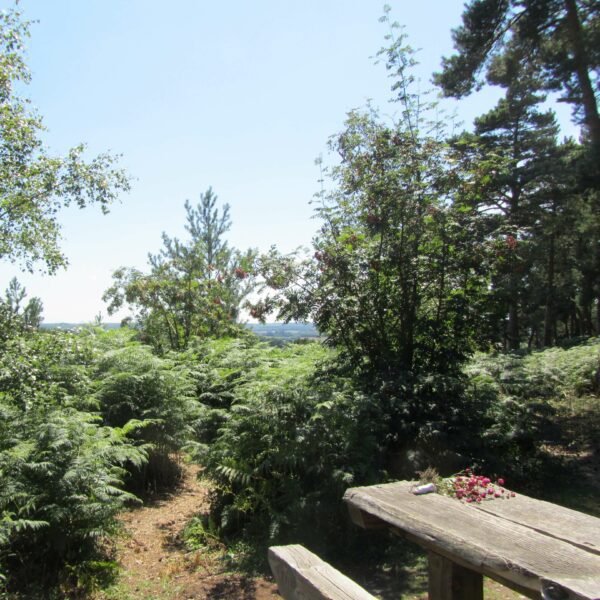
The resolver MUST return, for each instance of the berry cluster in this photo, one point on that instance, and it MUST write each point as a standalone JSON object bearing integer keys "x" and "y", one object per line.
{"x": 468, "y": 487}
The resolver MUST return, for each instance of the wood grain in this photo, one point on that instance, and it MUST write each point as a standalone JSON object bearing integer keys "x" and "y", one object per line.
{"x": 302, "y": 575}
{"x": 571, "y": 526}
{"x": 491, "y": 544}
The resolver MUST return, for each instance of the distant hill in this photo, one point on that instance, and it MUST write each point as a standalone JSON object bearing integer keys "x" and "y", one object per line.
{"x": 284, "y": 331}
{"x": 271, "y": 331}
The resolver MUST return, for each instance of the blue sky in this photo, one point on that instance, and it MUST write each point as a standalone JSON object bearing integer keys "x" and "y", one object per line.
{"x": 241, "y": 96}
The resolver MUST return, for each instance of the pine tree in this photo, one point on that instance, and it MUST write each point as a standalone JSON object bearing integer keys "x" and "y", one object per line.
{"x": 520, "y": 141}
{"x": 194, "y": 288}
{"x": 558, "y": 38}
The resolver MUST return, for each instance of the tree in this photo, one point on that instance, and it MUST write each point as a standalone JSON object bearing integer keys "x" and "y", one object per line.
{"x": 558, "y": 38}
{"x": 396, "y": 277}
{"x": 31, "y": 314}
{"x": 514, "y": 156}
{"x": 34, "y": 185}
{"x": 194, "y": 288}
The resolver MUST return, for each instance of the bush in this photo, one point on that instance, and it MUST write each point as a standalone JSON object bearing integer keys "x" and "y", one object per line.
{"x": 152, "y": 398}
{"x": 61, "y": 472}
{"x": 60, "y": 491}
{"x": 523, "y": 393}
{"x": 296, "y": 435}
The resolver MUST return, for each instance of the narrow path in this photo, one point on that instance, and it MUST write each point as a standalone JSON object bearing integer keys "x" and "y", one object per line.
{"x": 156, "y": 565}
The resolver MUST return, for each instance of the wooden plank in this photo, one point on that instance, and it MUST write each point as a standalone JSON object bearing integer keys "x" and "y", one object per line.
{"x": 365, "y": 520}
{"x": 302, "y": 575}
{"x": 449, "y": 581}
{"x": 494, "y": 546}
{"x": 571, "y": 526}
{"x": 481, "y": 569}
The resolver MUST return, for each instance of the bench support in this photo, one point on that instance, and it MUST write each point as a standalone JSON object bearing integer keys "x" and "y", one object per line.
{"x": 449, "y": 581}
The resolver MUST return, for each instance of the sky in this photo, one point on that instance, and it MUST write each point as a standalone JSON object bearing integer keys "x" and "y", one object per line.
{"x": 240, "y": 96}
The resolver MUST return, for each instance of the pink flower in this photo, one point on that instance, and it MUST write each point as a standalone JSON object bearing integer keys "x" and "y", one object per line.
{"x": 501, "y": 481}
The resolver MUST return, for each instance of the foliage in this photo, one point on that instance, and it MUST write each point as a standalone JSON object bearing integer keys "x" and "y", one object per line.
{"x": 15, "y": 319}
{"x": 34, "y": 185}
{"x": 557, "y": 39}
{"x": 536, "y": 215}
{"x": 398, "y": 275}
{"x": 61, "y": 489}
{"x": 61, "y": 471}
{"x": 512, "y": 156}
{"x": 525, "y": 395}
{"x": 193, "y": 288}
{"x": 150, "y": 399}
{"x": 552, "y": 373}
{"x": 54, "y": 364}
{"x": 296, "y": 434}
{"x": 31, "y": 315}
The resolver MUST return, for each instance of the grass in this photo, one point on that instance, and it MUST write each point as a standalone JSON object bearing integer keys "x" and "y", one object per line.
{"x": 122, "y": 591}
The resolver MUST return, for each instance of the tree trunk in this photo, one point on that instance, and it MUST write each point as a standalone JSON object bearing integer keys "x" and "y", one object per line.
{"x": 581, "y": 64}
{"x": 549, "y": 313}
{"x": 513, "y": 325}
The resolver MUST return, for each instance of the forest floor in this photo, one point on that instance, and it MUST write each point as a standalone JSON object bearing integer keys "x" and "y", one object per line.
{"x": 155, "y": 563}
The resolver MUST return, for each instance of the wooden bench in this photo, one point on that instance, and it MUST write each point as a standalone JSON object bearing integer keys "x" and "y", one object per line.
{"x": 302, "y": 575}
{"x": 536, "y": 548}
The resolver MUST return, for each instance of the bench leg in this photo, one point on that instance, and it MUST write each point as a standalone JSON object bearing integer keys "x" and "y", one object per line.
{"x": 449, "y": 581}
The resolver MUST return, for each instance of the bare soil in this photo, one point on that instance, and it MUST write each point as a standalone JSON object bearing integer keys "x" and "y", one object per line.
{"x": 156, "y": 564}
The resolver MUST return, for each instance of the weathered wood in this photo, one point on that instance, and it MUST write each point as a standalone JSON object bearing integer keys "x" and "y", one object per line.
{"x": 571, "y": 526}
{"x": 449, "y": 581}
{"x": 365, "y": 520}
{"x": 487, "y": 543}
{"x": 481, "y": 569}
{"x": 302, "y": 575}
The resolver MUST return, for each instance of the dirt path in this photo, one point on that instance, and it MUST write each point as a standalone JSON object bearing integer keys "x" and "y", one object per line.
{"x": 156, "y": 565}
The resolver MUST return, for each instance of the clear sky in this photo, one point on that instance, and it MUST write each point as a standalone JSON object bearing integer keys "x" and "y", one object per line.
{"x": 241, "y": 96}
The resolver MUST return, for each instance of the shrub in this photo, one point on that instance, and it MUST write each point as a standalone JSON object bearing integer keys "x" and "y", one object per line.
{"x": 60, "y": 491}
{"x": 295, "y": 437}
{"x": 523, "y": 394}
{"x": 152, "y": 398}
